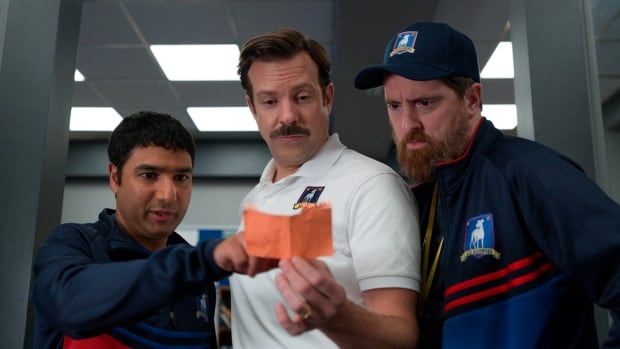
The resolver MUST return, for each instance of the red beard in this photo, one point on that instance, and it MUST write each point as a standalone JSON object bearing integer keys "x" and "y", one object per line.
{"x": 420, "y": 164}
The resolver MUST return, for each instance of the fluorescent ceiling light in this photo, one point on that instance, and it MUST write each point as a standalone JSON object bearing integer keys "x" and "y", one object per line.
{"x": 93, "y": 119}
{"x": 77, "y": 76}
{"x": 500, "y": 65}
{"x": 221, "y": 119}
{"x": 503, "y": 116}
{"x": 198, "y": 62}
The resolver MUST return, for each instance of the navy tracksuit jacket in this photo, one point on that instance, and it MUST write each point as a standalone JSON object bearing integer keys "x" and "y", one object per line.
{"x": 94, "y": 281}
{"x": 530, "y": 242}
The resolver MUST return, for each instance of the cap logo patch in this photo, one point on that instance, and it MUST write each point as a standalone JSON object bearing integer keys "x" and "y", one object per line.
{"x": 479, "y": 238}
{"x": 404, "y": 43}
{"x": 309, "y": 197}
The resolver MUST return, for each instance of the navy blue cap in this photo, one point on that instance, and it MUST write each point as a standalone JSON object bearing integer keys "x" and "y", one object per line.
{"x": 424, "y": 51}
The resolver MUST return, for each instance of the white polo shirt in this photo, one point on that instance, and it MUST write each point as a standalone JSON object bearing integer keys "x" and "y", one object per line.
{"x": 375, "y": 235}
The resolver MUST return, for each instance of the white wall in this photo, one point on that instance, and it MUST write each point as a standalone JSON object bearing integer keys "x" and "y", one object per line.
{"x": 213, "y": 203}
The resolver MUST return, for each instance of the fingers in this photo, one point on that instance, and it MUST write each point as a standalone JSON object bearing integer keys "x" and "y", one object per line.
{"x": 291, "y": 326}
{"x": 309, "y": 289}
{"x": 252, "y": 266}
{"x": 259, "y": 264}
{"x": 297, "y": 304}
{"x": 312, "y": 280}
{"x": 314, "y": 271}
{"x": 239, "y": 258}
{"x": 231, "y": 255}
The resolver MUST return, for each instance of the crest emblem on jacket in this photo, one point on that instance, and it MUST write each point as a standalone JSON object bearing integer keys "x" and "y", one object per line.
{"x": 202, "y": 307}
{"x": 479, "y": 238}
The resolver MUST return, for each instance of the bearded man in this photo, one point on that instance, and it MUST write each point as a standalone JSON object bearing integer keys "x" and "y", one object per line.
{"x": 518, "y": 242}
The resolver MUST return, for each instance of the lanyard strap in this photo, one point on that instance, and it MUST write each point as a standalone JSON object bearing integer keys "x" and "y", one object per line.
{"x": 428, "y": 275}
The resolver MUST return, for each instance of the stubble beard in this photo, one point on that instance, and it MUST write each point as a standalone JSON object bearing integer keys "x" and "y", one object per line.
{"x": 420, "y": 165}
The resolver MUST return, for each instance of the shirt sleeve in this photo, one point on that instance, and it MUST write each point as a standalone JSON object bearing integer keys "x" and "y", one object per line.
{"x": 384, "y": 236}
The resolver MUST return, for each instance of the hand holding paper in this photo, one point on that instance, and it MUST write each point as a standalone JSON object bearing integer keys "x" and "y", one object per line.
{"x": 231, "y": 254}
{"x": 308, "y": 234}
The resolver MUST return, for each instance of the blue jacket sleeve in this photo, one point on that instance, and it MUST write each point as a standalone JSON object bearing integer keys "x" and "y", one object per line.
{"x": 576, "y": 225}
{"x": 82, "y": 298}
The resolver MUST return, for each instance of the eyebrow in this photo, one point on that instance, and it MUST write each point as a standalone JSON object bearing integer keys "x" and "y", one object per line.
{"x": 428, "y": 96}
{"x": 296, "y": 88}
{"x": 436, "y": 97}
{"x": 147, "y": 167}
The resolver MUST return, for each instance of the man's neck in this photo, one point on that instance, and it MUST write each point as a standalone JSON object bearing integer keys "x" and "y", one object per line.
{"x": 150, "y": 244}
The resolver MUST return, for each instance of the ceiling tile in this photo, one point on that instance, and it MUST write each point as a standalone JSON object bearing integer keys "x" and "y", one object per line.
{"x": 101, "y": 63}
{"x": 139, "y": 95}
{"x": 103, "y": 22}
{"x": 313, "y": 18}
{"x": 183, "y": 22}
{"x": 480, "y": 19}
{"x": 208, "y": 94}
{"x": 85, "y": 96}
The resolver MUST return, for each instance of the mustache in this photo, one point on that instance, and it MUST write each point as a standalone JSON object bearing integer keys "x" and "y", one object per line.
{"x": 416, "y": 135}
{"x": 290, "y": 130}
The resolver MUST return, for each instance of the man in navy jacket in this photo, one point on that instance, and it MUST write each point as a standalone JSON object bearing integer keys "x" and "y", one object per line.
{"x": 517, "y": 241}
{"x": 128, "y": 280}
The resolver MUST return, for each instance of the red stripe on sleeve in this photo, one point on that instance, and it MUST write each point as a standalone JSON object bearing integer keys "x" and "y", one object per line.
{"x": 512, "y": 267}
{"x": 503, "y": 288}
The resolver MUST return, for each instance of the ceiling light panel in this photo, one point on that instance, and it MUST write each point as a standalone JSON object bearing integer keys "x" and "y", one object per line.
{"x": 223, "y": 119}
{"x": 94, "y": 119}
{"x": 500, "y": 65}
{"x": 77, "y": 76}
{"x": 503, "y": 116}
{"x": 198, "y": 62}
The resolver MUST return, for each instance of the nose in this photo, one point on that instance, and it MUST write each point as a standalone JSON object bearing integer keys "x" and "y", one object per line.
{"x": 166, "y": 190}
{"x": 410, "y": 120}
{"x": 288, "y": 113}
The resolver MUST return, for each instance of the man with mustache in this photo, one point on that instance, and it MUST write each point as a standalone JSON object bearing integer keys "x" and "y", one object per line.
{"x": 128, "y": 280}
{"x": 365, "y": 294}
{"x": 517, "y": 242}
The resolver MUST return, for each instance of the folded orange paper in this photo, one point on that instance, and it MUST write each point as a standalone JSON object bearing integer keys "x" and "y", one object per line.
{"x": 308, "y": 234}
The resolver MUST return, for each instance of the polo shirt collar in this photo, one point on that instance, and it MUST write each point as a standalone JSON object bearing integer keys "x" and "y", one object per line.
{"x": 316, "y": 167}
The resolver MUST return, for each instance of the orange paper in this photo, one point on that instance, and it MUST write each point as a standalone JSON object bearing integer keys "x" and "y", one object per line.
{"x": 308, "y": 234}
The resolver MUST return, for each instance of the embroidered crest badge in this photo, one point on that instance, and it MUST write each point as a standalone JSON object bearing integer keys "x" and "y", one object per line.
{"x": 309, "y": 197}
{"x": 404, "y": 42}
{"x": 479, "y": 238}
{"x": 202, "y": 308}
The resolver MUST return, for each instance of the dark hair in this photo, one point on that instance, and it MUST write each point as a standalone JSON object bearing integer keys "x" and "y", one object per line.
{"x": 284, "y": 43}
{"x": 148, "y": 128}
{"x": 459, "y": 84}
